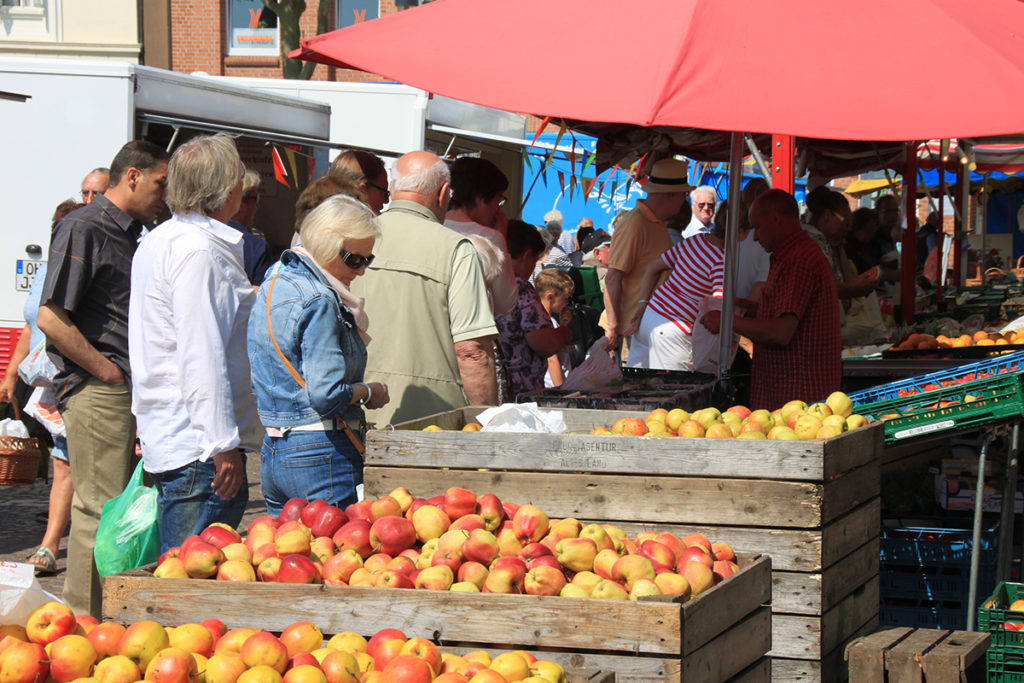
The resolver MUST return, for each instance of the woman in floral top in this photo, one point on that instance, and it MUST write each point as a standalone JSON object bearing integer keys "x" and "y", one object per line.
{"x": 526, "y": 335}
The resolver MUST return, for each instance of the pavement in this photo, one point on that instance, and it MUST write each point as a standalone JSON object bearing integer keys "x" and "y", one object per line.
{"x": 23, "y": 510}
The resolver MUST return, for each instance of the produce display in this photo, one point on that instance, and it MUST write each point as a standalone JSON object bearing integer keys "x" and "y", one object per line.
{"x": 794, "y": 421}
{"x": 457, "y": 541}
{"x": 941, "y": 341}
{"x": 54, "y": 645}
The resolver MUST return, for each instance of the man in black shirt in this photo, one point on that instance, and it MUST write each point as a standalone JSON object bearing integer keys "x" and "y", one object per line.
{"x": 84, "y": 315}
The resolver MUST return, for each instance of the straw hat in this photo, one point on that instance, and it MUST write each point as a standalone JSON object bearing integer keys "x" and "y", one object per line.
{"x": 667, "y": 176}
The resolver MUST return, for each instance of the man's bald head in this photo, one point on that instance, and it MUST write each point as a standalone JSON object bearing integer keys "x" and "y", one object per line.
{"x": 424, "y": 178}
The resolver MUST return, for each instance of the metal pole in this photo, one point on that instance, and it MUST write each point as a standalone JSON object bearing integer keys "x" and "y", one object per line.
{"x": 979, "y": 504}
{"x": 984, "y": 214}
{"x": 731, "y": 250}
{"x": 758, "y": 158}
{"x": 908, "y": 262}
{"x": 1007, "y": 511}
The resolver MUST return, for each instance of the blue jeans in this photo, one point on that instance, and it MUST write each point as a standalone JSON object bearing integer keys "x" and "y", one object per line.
{"x": 311, "y": 466}
{"x": 187, "y": 504}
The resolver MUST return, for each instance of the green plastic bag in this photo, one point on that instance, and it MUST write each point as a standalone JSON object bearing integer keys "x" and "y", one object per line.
{"x": 128, "y": 536}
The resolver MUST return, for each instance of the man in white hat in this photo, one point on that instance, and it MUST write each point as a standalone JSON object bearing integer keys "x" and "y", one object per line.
{"x": 641, "y": 237}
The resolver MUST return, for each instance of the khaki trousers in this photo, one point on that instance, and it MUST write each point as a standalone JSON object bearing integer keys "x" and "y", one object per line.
{"x": 101, "y": 448}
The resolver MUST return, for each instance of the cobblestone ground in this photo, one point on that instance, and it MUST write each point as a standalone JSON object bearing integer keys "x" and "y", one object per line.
{"x": 23, "y": 513}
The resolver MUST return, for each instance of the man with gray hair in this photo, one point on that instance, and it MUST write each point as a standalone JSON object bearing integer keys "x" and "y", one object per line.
{"x": 702, "y": 201}
{"x": 95, "y": 183}
{"x": 187, "y": 321}
{"x": 426, "y": 299}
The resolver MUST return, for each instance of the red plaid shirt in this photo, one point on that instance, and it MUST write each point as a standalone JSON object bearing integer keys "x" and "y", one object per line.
{"x": 810, "y": 367}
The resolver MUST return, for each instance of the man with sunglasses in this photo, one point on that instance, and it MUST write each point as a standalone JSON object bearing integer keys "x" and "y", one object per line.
{"x": 702, "y": 201}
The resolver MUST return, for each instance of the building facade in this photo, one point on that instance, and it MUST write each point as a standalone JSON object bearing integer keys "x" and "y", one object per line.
{"x": 75, "y": 29}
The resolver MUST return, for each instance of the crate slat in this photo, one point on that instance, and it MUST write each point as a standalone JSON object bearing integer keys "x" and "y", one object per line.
{"x": 732, "y": 651}
{"x": 653, "y": 627}
{"x": 794, "y": 460}
{"x": 811, "y": 637}
{"x": 816, "y": 593}
{"x": 866, "y": 655}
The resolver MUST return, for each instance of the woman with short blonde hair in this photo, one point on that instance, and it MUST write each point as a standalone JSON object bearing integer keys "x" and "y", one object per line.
{"x": 307, "y": 349}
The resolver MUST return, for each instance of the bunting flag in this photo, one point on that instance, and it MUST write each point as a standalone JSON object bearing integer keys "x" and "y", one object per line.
{"x": 600, "y": 188}
{"x": 289, "y": 169}
{"x": 561, "y": 181}
{"x": 588, "y": 163}
{"x": 540, "y": 129}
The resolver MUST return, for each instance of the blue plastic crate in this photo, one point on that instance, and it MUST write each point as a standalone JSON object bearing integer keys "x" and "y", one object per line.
{"x": 933, "y": 583}
{"x": 945, "y": 614}
{"x": 909, "y": 546}
{"x": 1011, "y": 362}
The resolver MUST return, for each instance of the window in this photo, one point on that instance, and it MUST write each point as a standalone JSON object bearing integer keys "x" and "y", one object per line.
{"x": 29, "y": 20}
{"x": 252, "y": 29}
{"x": 355, "y": 11}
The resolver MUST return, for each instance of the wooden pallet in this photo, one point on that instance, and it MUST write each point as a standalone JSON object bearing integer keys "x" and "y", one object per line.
{"x": 710, "y": 638}
{"x": 906, "y": 655}
{"x": 812, "y": 505}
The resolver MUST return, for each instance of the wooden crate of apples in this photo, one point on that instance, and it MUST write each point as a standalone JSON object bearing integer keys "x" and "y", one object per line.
{"x": 54, "y": 645}
{"x": 813, "y": 504}
{"x": 608, "y": 601}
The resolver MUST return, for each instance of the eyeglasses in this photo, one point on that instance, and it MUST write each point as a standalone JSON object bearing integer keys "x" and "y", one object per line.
{"x": 501, "y": 202}
{"x": 86, "y": 194}
{"x": 839, "y": 217}
{"x": 705, "y": 205}
{"x": 386, "y": 191}
{"x": 355, "y": 261}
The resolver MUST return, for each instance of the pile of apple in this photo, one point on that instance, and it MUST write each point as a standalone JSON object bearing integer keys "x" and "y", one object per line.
{"x": 794, "y": 421}
{"x": 980, "y": 338}
{"x": 457, "y": 542}
{"x": 54, "y": 645}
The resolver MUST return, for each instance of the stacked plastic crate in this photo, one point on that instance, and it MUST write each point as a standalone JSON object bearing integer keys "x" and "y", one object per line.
{"x": 1002, "y": 616}
{"x": 925, "y": 575}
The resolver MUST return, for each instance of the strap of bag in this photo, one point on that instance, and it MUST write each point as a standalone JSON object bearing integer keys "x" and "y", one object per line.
{"x": 349, "y": 432}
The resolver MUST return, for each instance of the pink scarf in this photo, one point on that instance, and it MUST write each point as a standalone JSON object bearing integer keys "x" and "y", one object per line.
{"x": 354, "y": 303}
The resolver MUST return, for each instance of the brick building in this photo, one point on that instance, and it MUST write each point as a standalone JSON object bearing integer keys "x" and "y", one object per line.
{"x": 241, "y": 37}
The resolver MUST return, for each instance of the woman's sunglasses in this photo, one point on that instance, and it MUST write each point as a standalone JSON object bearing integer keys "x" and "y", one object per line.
{"x": 355, "y": 261}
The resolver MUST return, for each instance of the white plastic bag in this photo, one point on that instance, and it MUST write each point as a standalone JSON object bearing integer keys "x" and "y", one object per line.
{"x": 707, "y": 346}
{"x": 597, "y": 371}
{"x": 9, "y": 427}
{"x": 521, "y": 417}
{"x": 42, "y": 405}
{"x": 20, "y": 592}
{"x": 862, "y": 323}
{"x": 37, "y": 369}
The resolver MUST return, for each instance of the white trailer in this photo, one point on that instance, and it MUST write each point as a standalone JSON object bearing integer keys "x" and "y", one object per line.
{"x": 62, "y": 118}
{"x": 391, "y": 119}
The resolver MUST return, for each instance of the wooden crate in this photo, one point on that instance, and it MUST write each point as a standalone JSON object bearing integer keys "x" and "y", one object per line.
{"x": 713, "y": 637}
{"x": 906, "y": 655}
{"x": 812, "y": 505}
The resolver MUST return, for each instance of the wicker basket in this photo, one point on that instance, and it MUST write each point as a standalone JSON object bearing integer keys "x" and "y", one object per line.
{"x": 19, "y": 458}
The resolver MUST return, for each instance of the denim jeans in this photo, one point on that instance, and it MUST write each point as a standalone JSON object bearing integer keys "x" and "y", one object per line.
{"x": 311, "y": 466}
{"x": 187, "y": 504}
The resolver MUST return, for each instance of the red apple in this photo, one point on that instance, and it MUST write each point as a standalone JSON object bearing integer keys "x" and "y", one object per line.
{"x": 297, "y": 569}
{"x": 309, "y": 512}
{"x": 360, "y": 510}
{"x": 392, "y": 534}
{"x": 339, "y": 568}
{"x": 356, "y": 535}
{"x": 292, "y": 510}
{"x": 50, "y": 621}
{"x": 489, "y": 507}
{"x": 220, "y": 535}
{"x": 105, "y": 637}
{"x": 327, "y": 520}
{"x": 458, "y": 502}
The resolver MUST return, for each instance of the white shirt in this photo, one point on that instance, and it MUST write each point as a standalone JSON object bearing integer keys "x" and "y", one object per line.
{"x": 187, "y": 320}
{"x": 503, "y": 290}
{"x": 695, "y": 227}
{"x": 752, "y": 264}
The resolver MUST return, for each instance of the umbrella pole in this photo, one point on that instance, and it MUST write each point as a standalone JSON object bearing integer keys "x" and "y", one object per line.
{"x": 725, "y": 392}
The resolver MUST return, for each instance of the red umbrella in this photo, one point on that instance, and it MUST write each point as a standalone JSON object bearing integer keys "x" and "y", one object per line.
{"x": 867, "y": 70}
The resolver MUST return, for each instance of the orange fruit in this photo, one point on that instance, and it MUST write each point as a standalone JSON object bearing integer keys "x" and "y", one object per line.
{"x": 980, "y": 334}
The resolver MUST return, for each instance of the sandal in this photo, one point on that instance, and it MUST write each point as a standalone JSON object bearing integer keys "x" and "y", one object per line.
{"x": 44, "y": 561}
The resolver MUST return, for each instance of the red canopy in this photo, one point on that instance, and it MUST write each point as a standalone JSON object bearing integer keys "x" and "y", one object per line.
{"x": 866, "y": 70}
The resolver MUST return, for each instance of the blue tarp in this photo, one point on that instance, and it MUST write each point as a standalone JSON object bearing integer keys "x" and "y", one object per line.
{"x": 546, "y": 193}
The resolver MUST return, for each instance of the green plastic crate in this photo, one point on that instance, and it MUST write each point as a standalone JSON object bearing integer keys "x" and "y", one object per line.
{"x": 994, "y": 613}
{"x": 1004, "y": 668}
{"x": 996, "y": 399}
